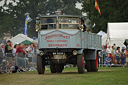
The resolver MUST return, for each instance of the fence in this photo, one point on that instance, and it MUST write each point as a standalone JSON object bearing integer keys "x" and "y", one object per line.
{"x": 112, "y": 63}
{"x": 19, "y": 61}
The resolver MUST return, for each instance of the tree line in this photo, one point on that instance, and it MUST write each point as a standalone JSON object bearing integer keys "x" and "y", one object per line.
{"x": 12, "y": 17}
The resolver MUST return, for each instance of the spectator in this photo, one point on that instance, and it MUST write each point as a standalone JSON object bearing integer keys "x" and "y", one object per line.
{"x": 20, "y": 49}
{"x": 118, "y": 56}
{"x": 2, "y": 56}
{"x": 13, "y": 68}
{"x": 14, "y": 51}
{"x": 115, "y": 47}
{"x": 8, "y": 50}
{"x": 107, "y": 61}
{"x": 30, "y": 49}
{"x": 36, "y": 51}
{"x": 15, "y": 48}
{"x": 1, "y": 52}
{"x": 106, "y": 44}
{"x": 113, "y": 54}
{"x": 126, "y": 54}
{"x": 102, "y": 55}
{"x": 36, "y": 47}
{"x": 9, "y": 55}
{"x": 21, "y": 55}
{"x": 31, "y": 52}
{"x": 9, "y": 47}
{"x": 109, "y": 51}
{"x": 2, "y": 48}
{"x": 123, "y": 57}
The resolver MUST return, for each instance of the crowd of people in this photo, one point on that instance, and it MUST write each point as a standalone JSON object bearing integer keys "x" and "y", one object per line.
{"x": 8, "y": 53}
{"x": 113, "y": 55}
{"x": 109, "y": 55}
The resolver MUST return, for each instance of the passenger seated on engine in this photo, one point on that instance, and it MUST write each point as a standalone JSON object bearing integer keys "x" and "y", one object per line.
{"x": 84, "y": 26}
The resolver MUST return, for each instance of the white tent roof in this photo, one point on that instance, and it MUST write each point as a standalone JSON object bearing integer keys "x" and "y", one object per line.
{"x": 117, "y": 33}
{"x": 104, "y": 38}
{"x": 19, "y": 38}
{"x": 101, "y": 33}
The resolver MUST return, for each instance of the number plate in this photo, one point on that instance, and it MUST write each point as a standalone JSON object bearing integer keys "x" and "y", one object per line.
{"x": 58, "y": 53}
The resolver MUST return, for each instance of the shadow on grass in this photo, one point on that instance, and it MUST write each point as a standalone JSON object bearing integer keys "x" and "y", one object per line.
{"x": 72, "y": 73}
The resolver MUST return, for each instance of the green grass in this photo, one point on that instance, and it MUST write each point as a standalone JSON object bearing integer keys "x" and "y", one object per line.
{"x": 105, "y": 76}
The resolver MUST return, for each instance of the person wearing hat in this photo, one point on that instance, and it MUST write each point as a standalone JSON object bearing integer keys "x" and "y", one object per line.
{"x": 8, "y": 53}
{"x": 9, "y": 50}
{"x": 9, "y": 47}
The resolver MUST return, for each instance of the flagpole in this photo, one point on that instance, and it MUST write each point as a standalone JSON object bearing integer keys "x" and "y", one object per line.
{"x": 27, "y": 19}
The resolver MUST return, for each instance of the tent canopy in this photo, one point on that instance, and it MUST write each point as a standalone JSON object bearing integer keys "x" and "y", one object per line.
{"x": 20, "y": 38}
{"x": 117, "y": 33}
{"x": 101, "y": 33}
{"x": 104, "y": 36}
{"x": 26, "y": 42}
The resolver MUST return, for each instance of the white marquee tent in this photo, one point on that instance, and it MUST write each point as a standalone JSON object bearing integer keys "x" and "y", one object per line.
{"x": 19, "y": 38}
{"x": 117, "y": 33}
{"x": 101, "y": 33}
{"x": 104, "y": 36}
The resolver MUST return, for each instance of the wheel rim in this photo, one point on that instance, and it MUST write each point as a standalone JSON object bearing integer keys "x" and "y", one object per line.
{"x": 83, "y": 62}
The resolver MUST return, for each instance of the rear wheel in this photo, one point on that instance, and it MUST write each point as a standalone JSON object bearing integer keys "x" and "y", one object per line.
{"x": 40, "y": 65}
{"x": 80, "y": 63}
{"x": 93, "y": 66}
{"x": 53, "y": 68}
{"x": 88, "y": 66}
{"x": 59, "y": 68}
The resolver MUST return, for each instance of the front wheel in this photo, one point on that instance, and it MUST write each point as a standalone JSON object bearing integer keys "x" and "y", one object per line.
{"x": 40, "y": 65}
{"x": 80, "y": 63}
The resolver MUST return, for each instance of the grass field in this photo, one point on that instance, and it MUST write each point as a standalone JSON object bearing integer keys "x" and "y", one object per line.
{"x": 105, "y": 76}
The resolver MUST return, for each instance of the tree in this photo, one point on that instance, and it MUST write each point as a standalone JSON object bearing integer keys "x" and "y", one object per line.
{"x": 14, "y": 17}
{"x": 67, "y": 6}
{"x": 111, "y": 11}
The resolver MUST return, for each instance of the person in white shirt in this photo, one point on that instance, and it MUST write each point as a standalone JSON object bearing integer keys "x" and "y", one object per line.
{"x": 31, "y": 52}
{"x": 14, "y": 50}
{"x": 109, "y": 50}
{"x": 2, "y": 48}
{"x": 30, "y": 49}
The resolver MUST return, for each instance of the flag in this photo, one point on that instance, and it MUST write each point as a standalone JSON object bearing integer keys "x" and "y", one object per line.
{"x": 97, "y": 6}
{"x": 27, "y": 19}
